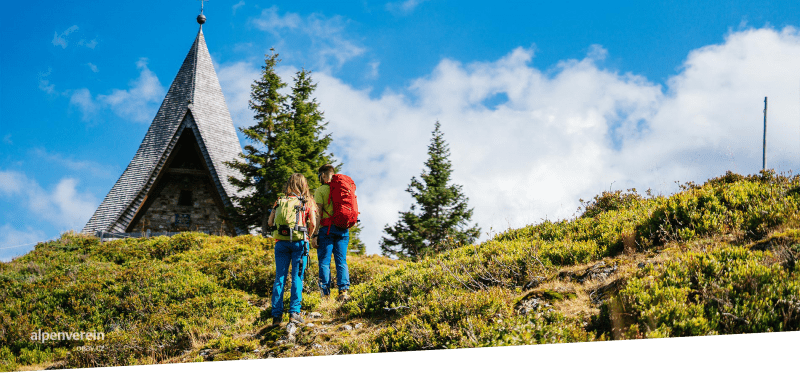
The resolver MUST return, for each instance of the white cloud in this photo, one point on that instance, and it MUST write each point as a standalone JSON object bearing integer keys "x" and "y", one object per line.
{"x": 90, "y": 44}
{"x": 82, "y": 99}
{"x": 271, "y": 21}
{"x": 403, "y": 7}
{"x": 73, "y": 207}
{"x": 235, "y": 80}
{"x": 14, "y": 243}
{"x": 527, "y": 144}
{"x": 372, "y": 73}
{"x": 237, "y": 6}
{"x": 11, "y": 182}
{"x": 137, "y": 104}
{"x": 63, "y": 205}
{"x": 44, "y": 84}
{"x": 570, "y": 133}
{"x": 60, "y": 40}
{"x": 329, "y": 42}
{"x": 93, "y": 168}
{"x": 92, "y": 67}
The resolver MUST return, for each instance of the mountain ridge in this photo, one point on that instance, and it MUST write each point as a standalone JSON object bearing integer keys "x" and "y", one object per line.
{"x": 715, "y": 258}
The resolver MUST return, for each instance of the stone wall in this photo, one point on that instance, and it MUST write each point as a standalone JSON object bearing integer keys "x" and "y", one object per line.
{"x": 166, "y": 214}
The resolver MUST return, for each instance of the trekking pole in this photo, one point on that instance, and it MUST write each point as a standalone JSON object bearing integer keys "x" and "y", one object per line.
{"x": 301, "y": 270}
{"x": 304, "y": 256}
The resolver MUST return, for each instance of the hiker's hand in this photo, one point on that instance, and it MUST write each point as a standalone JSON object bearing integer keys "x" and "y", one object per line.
{"x": 314, "y": 242}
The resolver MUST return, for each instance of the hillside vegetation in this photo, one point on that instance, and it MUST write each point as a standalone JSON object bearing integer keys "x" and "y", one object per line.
{"x": 716, "y": 258}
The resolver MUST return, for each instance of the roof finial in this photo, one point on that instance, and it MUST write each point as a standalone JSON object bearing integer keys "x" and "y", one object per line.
{"x": 201, "y": 19}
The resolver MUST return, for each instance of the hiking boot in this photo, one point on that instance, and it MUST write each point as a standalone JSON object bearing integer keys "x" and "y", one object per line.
{"x": 296, "y": 318}
{"x": 276, "y": 321}
{"x": 343, "y": 296}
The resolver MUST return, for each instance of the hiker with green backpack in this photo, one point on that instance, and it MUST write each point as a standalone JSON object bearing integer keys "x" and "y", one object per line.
{"x": 338, "y": 211}
{"x": 294, "y": 216}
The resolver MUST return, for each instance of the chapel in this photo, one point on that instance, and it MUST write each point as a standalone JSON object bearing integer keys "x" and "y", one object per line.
{"x": 178, "y": 180}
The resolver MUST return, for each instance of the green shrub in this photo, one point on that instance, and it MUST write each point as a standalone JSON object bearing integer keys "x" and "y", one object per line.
{"x": 726, "y": 290}
{"x": 35, "y": 356}
{"x": 609, "y": 201}
{"x": 7, "y": 360}
{"x": 446, "y": 320}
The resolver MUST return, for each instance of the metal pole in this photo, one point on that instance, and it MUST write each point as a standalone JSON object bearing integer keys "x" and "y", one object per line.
{"x": 764, "y": 154}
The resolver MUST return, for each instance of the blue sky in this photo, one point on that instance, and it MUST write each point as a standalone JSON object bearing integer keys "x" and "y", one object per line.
{"x": 543, "y": 103}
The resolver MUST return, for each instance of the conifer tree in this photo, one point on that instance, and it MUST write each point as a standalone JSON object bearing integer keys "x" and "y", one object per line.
{"x": 251, "y": 208}
{"x": 286, "y": 139}
{"x": 305, "y": 148}
{"x": 439, "y": 220}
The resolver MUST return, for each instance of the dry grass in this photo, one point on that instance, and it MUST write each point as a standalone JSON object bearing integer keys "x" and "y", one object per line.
{"x": 589, "y": 291}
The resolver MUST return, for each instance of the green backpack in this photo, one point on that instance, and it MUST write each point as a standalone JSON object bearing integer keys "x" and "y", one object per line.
{"x": 290, "y": 218}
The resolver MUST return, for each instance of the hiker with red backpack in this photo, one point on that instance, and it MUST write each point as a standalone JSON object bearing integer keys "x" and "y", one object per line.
{"x": 294, "y": 216}
{"x": 336, "y": 202}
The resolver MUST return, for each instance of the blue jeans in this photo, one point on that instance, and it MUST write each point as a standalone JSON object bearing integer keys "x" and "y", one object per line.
{"x": 287, "y": 252}
{"x": 334, "y": 243}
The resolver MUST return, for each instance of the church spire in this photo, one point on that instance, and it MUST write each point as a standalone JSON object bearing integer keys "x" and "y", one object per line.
{"x": 194, "y": 101}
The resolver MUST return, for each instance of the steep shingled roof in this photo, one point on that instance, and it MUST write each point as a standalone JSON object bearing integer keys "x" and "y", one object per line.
{"x": 195, "y": 84}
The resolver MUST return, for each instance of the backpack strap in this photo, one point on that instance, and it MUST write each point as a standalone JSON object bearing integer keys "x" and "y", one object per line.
{"x": 330, "y": 196}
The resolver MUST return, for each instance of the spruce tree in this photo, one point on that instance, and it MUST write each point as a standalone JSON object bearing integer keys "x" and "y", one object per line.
{"x": 306, "y": 149}
{"x": 286, "y": 139}
{"x": 439, "y": 220}
{"x": 251, "y": 208}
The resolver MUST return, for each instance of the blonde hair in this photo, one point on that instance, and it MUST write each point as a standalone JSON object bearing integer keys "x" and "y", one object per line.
{"x": 297, "y": 185}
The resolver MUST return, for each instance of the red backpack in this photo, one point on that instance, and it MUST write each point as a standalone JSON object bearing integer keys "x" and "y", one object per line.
{"x": 345, "y": 206}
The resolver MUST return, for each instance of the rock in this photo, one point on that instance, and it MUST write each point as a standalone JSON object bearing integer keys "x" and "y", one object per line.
{"x": 291, "y": 328}
{"x": 641, "y": 265}
{"x": 602, "y": 293}
{"x": 317, "y": 346}
{"x": 347, "y": 327}
{"x": 531, "y": 305}
{"x": 256, "y": 350}
{"x": 310, "y": 324}
{"x": 315, "y": 315}
{"x": 291, "y": 339}
{"x": 600, "y": 271}
{"x": 205, "y": 352}
{"x": 280, "y": 342}
{"x": 57, "y": 365}
{"x": 533, "y": 283}
{"x": 358, "y": 325}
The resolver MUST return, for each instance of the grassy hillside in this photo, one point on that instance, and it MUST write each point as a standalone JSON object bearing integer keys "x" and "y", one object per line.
{"x": 717, "y": 258}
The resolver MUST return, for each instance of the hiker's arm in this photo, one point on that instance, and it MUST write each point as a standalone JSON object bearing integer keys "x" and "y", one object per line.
{"x": 271, "y": 220}
{"x": 317, "y": 218}
{"x": 312, "y": 220}
{"x": 313, "y": 224}
{"x": 319, "y": 202}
